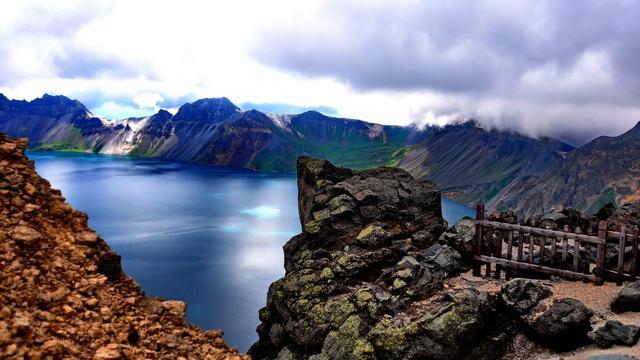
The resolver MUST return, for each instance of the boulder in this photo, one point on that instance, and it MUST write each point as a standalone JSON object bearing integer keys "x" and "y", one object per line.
{"x": 628, "y": 299}
{"x": 411, "y": 277}
{"x": 615, "y": 333}
{"x": 564, "y": 326}
{"x": 520, "y": 296}
{"x": 461, "y": 237}
{"x": 462, "y": 325}
{"x": 508, "y": 217}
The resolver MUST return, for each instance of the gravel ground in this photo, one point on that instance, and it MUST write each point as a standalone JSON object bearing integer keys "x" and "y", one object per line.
{"x": 597, "y": 298}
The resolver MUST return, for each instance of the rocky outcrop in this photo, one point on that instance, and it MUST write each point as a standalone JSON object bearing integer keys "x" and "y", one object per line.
{"x": 64, "y": 294}
{"x": 359, "y": 276}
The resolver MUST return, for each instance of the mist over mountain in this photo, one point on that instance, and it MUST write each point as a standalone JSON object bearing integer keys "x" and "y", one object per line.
{"x": 468, "y": 161}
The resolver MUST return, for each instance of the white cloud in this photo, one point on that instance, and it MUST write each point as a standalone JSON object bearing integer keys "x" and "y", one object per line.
{"x": 148, "y": 99}
{"x": 113, "y": 110}
{"x": 513, "y": 64}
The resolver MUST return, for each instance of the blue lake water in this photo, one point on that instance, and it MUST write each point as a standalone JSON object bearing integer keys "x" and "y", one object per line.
{"x": 209, "y": 236}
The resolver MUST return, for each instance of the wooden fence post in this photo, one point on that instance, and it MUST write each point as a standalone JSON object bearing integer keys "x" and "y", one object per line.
{"x": 477, "y": 249}
{"x": 634, "y": 253}
{"x": 621, "y": 247}
{"x": 602, "y": 246}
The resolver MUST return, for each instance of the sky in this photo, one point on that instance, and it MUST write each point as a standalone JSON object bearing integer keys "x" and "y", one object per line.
{"x": 566, "y": 69}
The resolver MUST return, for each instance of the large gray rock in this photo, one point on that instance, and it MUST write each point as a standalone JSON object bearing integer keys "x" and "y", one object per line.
{"x": 564, "y": 326}
{"x": 462, "y": 325}
{"x": 628, "y": 299}
{"x": 460, "y": 237}
{"x": 361, "y": 255}
{"x": 615, "y": 333}
{"x": 519, "y": 296}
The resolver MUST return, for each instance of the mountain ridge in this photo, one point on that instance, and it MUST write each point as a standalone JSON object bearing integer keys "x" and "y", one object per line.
{"x": 469, "y": 162}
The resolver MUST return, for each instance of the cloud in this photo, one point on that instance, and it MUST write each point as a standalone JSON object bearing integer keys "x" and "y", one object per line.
{"x": 519, "y": 64}
{"x": 114, "y": 110}
{"x": 282, "y": 108}
{"x": 556, "y": 68}
{"x": 148, "y": 99}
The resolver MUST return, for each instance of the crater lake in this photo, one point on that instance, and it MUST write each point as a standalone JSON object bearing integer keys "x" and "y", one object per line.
{"x": 209, "y": 236}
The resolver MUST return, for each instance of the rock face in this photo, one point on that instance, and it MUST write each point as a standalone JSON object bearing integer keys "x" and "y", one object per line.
{"x": 628, "y": 299}
{"x": 604, "y": 170}
{"x": 473, "y": 164}
{"x": 356, "y": 275}
{"x": 64, "y": 294}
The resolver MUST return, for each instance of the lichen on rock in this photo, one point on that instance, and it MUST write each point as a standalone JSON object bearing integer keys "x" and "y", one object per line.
{"x": 357, "y": 275}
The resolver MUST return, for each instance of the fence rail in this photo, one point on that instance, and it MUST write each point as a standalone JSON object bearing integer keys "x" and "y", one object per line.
{"x": 546, "y": 251}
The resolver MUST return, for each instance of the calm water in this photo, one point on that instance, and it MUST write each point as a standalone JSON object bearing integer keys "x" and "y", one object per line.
{"x": 211, "y": 237}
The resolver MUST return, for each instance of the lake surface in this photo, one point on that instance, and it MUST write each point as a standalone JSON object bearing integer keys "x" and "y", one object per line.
{"x": 211, "y": 237}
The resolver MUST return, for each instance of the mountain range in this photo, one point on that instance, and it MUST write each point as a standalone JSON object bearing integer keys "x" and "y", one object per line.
{"x": 470, "y": 163}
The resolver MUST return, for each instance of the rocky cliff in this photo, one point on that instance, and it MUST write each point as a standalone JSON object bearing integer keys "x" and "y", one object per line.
{"x": 361, "y": 277}
{"x": 472, "y": 164}
{"x": 603, "y": 171}
{"x": 64, "y": 294}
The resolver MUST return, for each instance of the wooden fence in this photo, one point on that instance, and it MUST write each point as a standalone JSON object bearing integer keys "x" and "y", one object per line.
{"x": 552, "y": 252}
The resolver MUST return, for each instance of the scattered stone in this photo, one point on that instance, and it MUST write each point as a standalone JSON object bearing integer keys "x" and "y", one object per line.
{"x": 175, "y": 308}
{"x": 24, "y": 233}
{"x": 519, "y": 296}
{"x": 615, "y": 333}
{"x": 564, "y": 326}
{"x": 628, "y": 299}
{"x": 108, "y": 352}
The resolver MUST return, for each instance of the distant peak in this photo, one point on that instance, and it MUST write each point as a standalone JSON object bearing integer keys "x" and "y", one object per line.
{"x": 208, "y": 110}
{"x": 221, "y": 102}
{"x": 312, "y": 114}
{"x": 58, "y": 101}
{"x": 162, "y": 113}
{"x": 254, "y": 112}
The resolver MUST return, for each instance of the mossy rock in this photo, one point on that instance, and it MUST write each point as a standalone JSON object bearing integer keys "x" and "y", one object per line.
{"x": 346, "y": 342}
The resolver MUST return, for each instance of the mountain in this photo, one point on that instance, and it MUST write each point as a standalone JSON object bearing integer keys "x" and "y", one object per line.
{"x": 473, "y": 164}
{"x": 605, "y": 170}
{"x": 470, "y": 163}
{"x": 212, "y": 131}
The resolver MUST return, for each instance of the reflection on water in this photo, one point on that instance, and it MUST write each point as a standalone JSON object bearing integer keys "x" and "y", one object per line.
{"x": 211, "y": 237}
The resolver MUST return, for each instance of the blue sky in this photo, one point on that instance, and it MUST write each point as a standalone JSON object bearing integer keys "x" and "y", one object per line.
{"x": 561, "y": 68}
